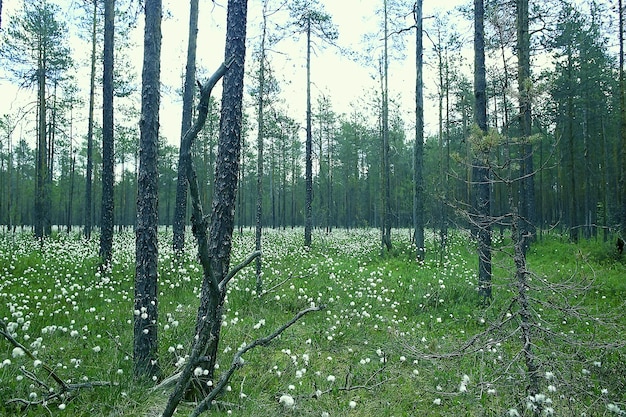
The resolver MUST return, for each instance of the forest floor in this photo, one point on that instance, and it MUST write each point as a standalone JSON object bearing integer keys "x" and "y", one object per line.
{"x": 395, "y": 338}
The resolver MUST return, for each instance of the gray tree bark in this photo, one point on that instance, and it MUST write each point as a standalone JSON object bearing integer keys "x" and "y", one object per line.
{"x": 106, "y": 223}
{"x": 180, "y": 209}
{"x": 418, "y": 158}
{"x": 481, "y": 172}
{"x": 146, "y": 311}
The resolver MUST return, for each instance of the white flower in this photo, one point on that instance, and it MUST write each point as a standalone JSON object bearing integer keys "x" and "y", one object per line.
{"x": 352, "y": 404}
{"x": 437, "y": 401}
{"x": 513, "y": 412}
{"x": 325, "y": 414}
{"x": 96, "y": 349}
{"x": 330, "y": 378}
{"x": 18, "y": 352}
{"x": 197, "y": 371}
{"x": 62, "y": 406}
{"x": 36, "y": 363}
{"x": 287, "y": 401}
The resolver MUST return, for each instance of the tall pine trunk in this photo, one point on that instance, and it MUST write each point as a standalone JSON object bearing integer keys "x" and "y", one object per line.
{"x": 308, "y": 198}
{"x": 527, "y": 203}
{"x": 106, "y": 214}
{"x": 622, "y": 112}
{"x": 180, "y": 209}
{"x": 418, "y": 157}
{"x": 259, "y": 162}
{"x": 42, "y": 170}
{"x": 146, "y": 312}
{"x": 386, "y": 174}
{"x": 92, "y": 93}
{"x": 481, "y": 175}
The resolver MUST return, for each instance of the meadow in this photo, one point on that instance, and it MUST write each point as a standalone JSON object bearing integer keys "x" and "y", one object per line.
{"x": 395, "y": 337}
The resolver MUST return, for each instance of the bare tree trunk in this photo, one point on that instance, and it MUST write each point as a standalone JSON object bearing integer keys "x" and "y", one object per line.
{"x": 259, "y": 161}
{"x": 42, "y": 170}
{"x": 386, "y": 192}
{"x": 146, "y": 311}
{"x": 92, "y": 93}
{"x": 481, "y": 174}
{"x": 106, "y": 234}
{"x": 215, "y": 243}
{"x": 525, "y": 311}
{"x": 418, "y": 159}
{"x": 622, "y": 101}
{"x": 308, "y": 203}
{"x": 527, "y": 203}
{"x": 180, "y": 209}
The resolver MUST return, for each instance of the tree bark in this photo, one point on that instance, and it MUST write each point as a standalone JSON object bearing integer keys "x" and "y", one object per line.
{"x": 622, "y": 113}
{"x": 259, "y": 162}
{"x": 527, "y": 204}
{"x": 92, "y": 93}
{"x": 146, "y": 313}
{"x": 481, "y": 174}
{"x": 308, "y": 198}
{"x": 180, "y": 209}
{"x": 418, "y": 158}
{"x": 386, "y": 180}
{"x": 106, "y": 223}
{"x": 215, "y": 243}
{"x": 42, "y": 169}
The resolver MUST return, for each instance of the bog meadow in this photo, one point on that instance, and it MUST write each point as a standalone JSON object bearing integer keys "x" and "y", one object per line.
{"x": 394, "y": 337}
{"x": 394, "y": 208}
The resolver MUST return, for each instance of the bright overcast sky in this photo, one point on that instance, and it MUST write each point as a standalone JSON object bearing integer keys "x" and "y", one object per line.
{"x": 337, "y": 77}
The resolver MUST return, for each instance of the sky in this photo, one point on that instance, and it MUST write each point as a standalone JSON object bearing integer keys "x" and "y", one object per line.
{"x": 338, "y": 77}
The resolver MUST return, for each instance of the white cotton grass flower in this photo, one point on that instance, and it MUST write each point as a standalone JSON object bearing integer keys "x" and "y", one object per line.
{"x": 18, "y": 352}
{"x": 330, "y": 378}
{"x": 287, "y": 401}
{"x": 352, "y": 404}
{"x": 437, "y": 401}
{"x": 512, "y": 412}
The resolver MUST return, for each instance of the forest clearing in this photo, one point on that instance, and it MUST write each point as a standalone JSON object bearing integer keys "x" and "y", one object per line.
{"x": 371, "y": 350}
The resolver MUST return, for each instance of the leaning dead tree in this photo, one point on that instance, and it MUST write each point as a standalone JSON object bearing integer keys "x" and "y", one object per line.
{"x": 214, "y": 239}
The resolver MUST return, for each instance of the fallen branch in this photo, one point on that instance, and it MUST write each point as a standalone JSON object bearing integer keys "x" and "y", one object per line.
{"x": 51, "y": 394}
{"x": 238, "y": 362}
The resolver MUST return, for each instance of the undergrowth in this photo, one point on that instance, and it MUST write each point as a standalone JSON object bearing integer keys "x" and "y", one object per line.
{"x": 364, "y": 354}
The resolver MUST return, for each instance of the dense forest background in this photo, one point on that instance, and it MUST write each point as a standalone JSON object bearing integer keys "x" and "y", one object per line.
{"x": 575, "y": 140}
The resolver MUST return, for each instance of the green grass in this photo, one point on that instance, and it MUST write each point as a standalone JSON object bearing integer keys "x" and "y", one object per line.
{"x": 366, "y": 348}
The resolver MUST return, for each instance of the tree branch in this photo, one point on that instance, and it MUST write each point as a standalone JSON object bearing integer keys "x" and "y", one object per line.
{"x": 51, "y": 394}
{"x": 238, "y": 268}
{"x": 237, "y": 362}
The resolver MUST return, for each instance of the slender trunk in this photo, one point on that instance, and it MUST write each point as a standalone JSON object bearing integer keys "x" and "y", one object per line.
{"x": 106, "y": 222}
{"x": 42, "y": 170}
{"x": 418, "y": 168}
{"x": 308, "y": 203}
{"x": 92, "y": 93}
{"x": 525, "y": 311}
{"x": 146, "y": 311}
{"x": 180, "y": 208}
{"x": 259, "y": 161}
{"x": 622, "y": 102}
{"x": 527, "y": 204}
{"x": 386, "y": 194}
{"x": 481, "y": 174}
